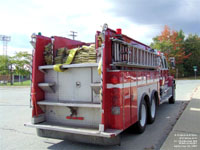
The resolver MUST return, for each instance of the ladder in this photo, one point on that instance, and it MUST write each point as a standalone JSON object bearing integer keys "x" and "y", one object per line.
{"x": 129, "y": 55}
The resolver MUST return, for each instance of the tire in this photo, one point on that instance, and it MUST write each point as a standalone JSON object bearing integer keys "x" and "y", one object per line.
{"x": 141, "y": 124}
{"x": 152, "y": 111}
{"x": 172, "y": 98}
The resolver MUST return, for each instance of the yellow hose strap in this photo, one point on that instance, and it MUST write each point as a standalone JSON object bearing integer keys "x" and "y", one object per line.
{"x": 69, "y": 60}
{"x": 57, "y": 68}
{"x": 100, "y": 94}
{"x": 71, "y": 56}
{"x": 99, "y": 67}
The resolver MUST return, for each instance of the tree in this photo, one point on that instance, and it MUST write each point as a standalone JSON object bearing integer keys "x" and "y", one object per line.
{"x": 22, "y": 63}
{"x": 192, "y": 45}
{"x": 171, "y": 43}
{"x": 4, "y": 63}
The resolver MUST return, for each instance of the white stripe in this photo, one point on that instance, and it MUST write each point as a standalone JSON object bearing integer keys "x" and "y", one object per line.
{"x": 150, "y": 80}
{"x": 142, "y": 82}
{"x": 127, "y": 97}
{"x": 133, "y": 83}
{"x": 126, "y": 85}
{"x": 110, "y": 86}
{"x": 121, "y": 85}
{"x": 129, "y": 84}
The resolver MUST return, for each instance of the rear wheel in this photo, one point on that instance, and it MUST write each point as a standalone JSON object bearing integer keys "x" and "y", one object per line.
{"x": 141, "y": 124}
{"x": 172, "y": 98}
{"x": 152, "y": 111}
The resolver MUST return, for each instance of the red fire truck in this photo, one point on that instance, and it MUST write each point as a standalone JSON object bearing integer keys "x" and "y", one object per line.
{"x": 84, "y": 105}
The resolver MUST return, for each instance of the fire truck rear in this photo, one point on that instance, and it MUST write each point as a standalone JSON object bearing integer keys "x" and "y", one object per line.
{"x": 95, "y": 102}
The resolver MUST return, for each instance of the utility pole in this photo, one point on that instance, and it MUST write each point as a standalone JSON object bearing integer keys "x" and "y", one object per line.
{"x": 73, "y": 34}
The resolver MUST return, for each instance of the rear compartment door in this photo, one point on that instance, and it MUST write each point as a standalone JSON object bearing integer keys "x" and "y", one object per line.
{"x": 74, "y": 85}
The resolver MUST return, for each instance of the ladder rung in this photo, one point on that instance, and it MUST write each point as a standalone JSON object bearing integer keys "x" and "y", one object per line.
{"x": 126, "y": 54}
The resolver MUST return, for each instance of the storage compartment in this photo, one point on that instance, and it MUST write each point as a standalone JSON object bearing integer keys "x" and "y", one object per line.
{"x": 75, "y": 98}
{"x": 76, "y": 84}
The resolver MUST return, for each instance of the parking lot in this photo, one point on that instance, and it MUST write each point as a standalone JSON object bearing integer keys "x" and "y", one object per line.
{"x": 15, "y": 111}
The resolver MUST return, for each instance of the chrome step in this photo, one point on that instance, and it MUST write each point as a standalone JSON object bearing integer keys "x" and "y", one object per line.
{"x": 47, "y": 87}
{"x": 96, "y": 87}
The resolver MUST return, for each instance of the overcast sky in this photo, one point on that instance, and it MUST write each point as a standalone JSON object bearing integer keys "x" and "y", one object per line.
{"x": 139, "y": 19}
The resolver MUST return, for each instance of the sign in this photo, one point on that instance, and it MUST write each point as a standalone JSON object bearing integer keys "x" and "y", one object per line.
{"x": 195, "y": 67}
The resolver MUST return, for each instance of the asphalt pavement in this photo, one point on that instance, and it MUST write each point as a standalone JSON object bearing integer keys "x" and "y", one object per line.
{"x": 15, "y": 111}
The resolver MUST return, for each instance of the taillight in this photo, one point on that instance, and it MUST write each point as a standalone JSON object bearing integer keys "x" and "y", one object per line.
{"x": 114, "y": 80}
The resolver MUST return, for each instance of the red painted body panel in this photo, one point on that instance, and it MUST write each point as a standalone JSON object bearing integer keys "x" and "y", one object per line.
{"x": 60, "y": 42}
{"x": 116, "y": 98}
{"x": 127, "y": 107}
{"x": 133, "y": 96}
{"x": 126, "y": 97}
{"x": 127, "y": 100}
{"x": 38, "y": 76}
{"x": 106, "y": 102}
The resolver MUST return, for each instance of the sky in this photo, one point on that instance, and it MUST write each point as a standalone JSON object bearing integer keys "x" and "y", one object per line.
{"x": 139, "y": 19}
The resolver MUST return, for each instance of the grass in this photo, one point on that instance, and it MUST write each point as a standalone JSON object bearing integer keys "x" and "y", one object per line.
{"x": 25, "y": 83}
{"x": 189, "y": 78}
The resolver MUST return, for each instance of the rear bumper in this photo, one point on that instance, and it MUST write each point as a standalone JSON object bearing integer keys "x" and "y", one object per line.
{"x": 92, "y": 136}
{"x": 83, "y": 131}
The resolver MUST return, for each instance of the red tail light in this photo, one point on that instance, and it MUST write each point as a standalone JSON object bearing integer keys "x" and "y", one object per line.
{"x": 114, "y": 80}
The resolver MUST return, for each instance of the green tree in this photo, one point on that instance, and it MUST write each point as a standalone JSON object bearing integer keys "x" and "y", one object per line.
{"x": 192, "y": 45}
{"x": 171, "y": 43}
{"x": 4, "y": 63}
{"x": 21, "y": 63}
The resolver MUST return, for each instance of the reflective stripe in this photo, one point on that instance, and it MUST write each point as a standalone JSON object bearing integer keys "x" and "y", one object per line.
{"x": 130, "y": 84}
{"x": 142, "y": 82}
{"x": 127, "y": 97}
{"x": 150, "y": 80}
{"x": 110, "y": 86}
